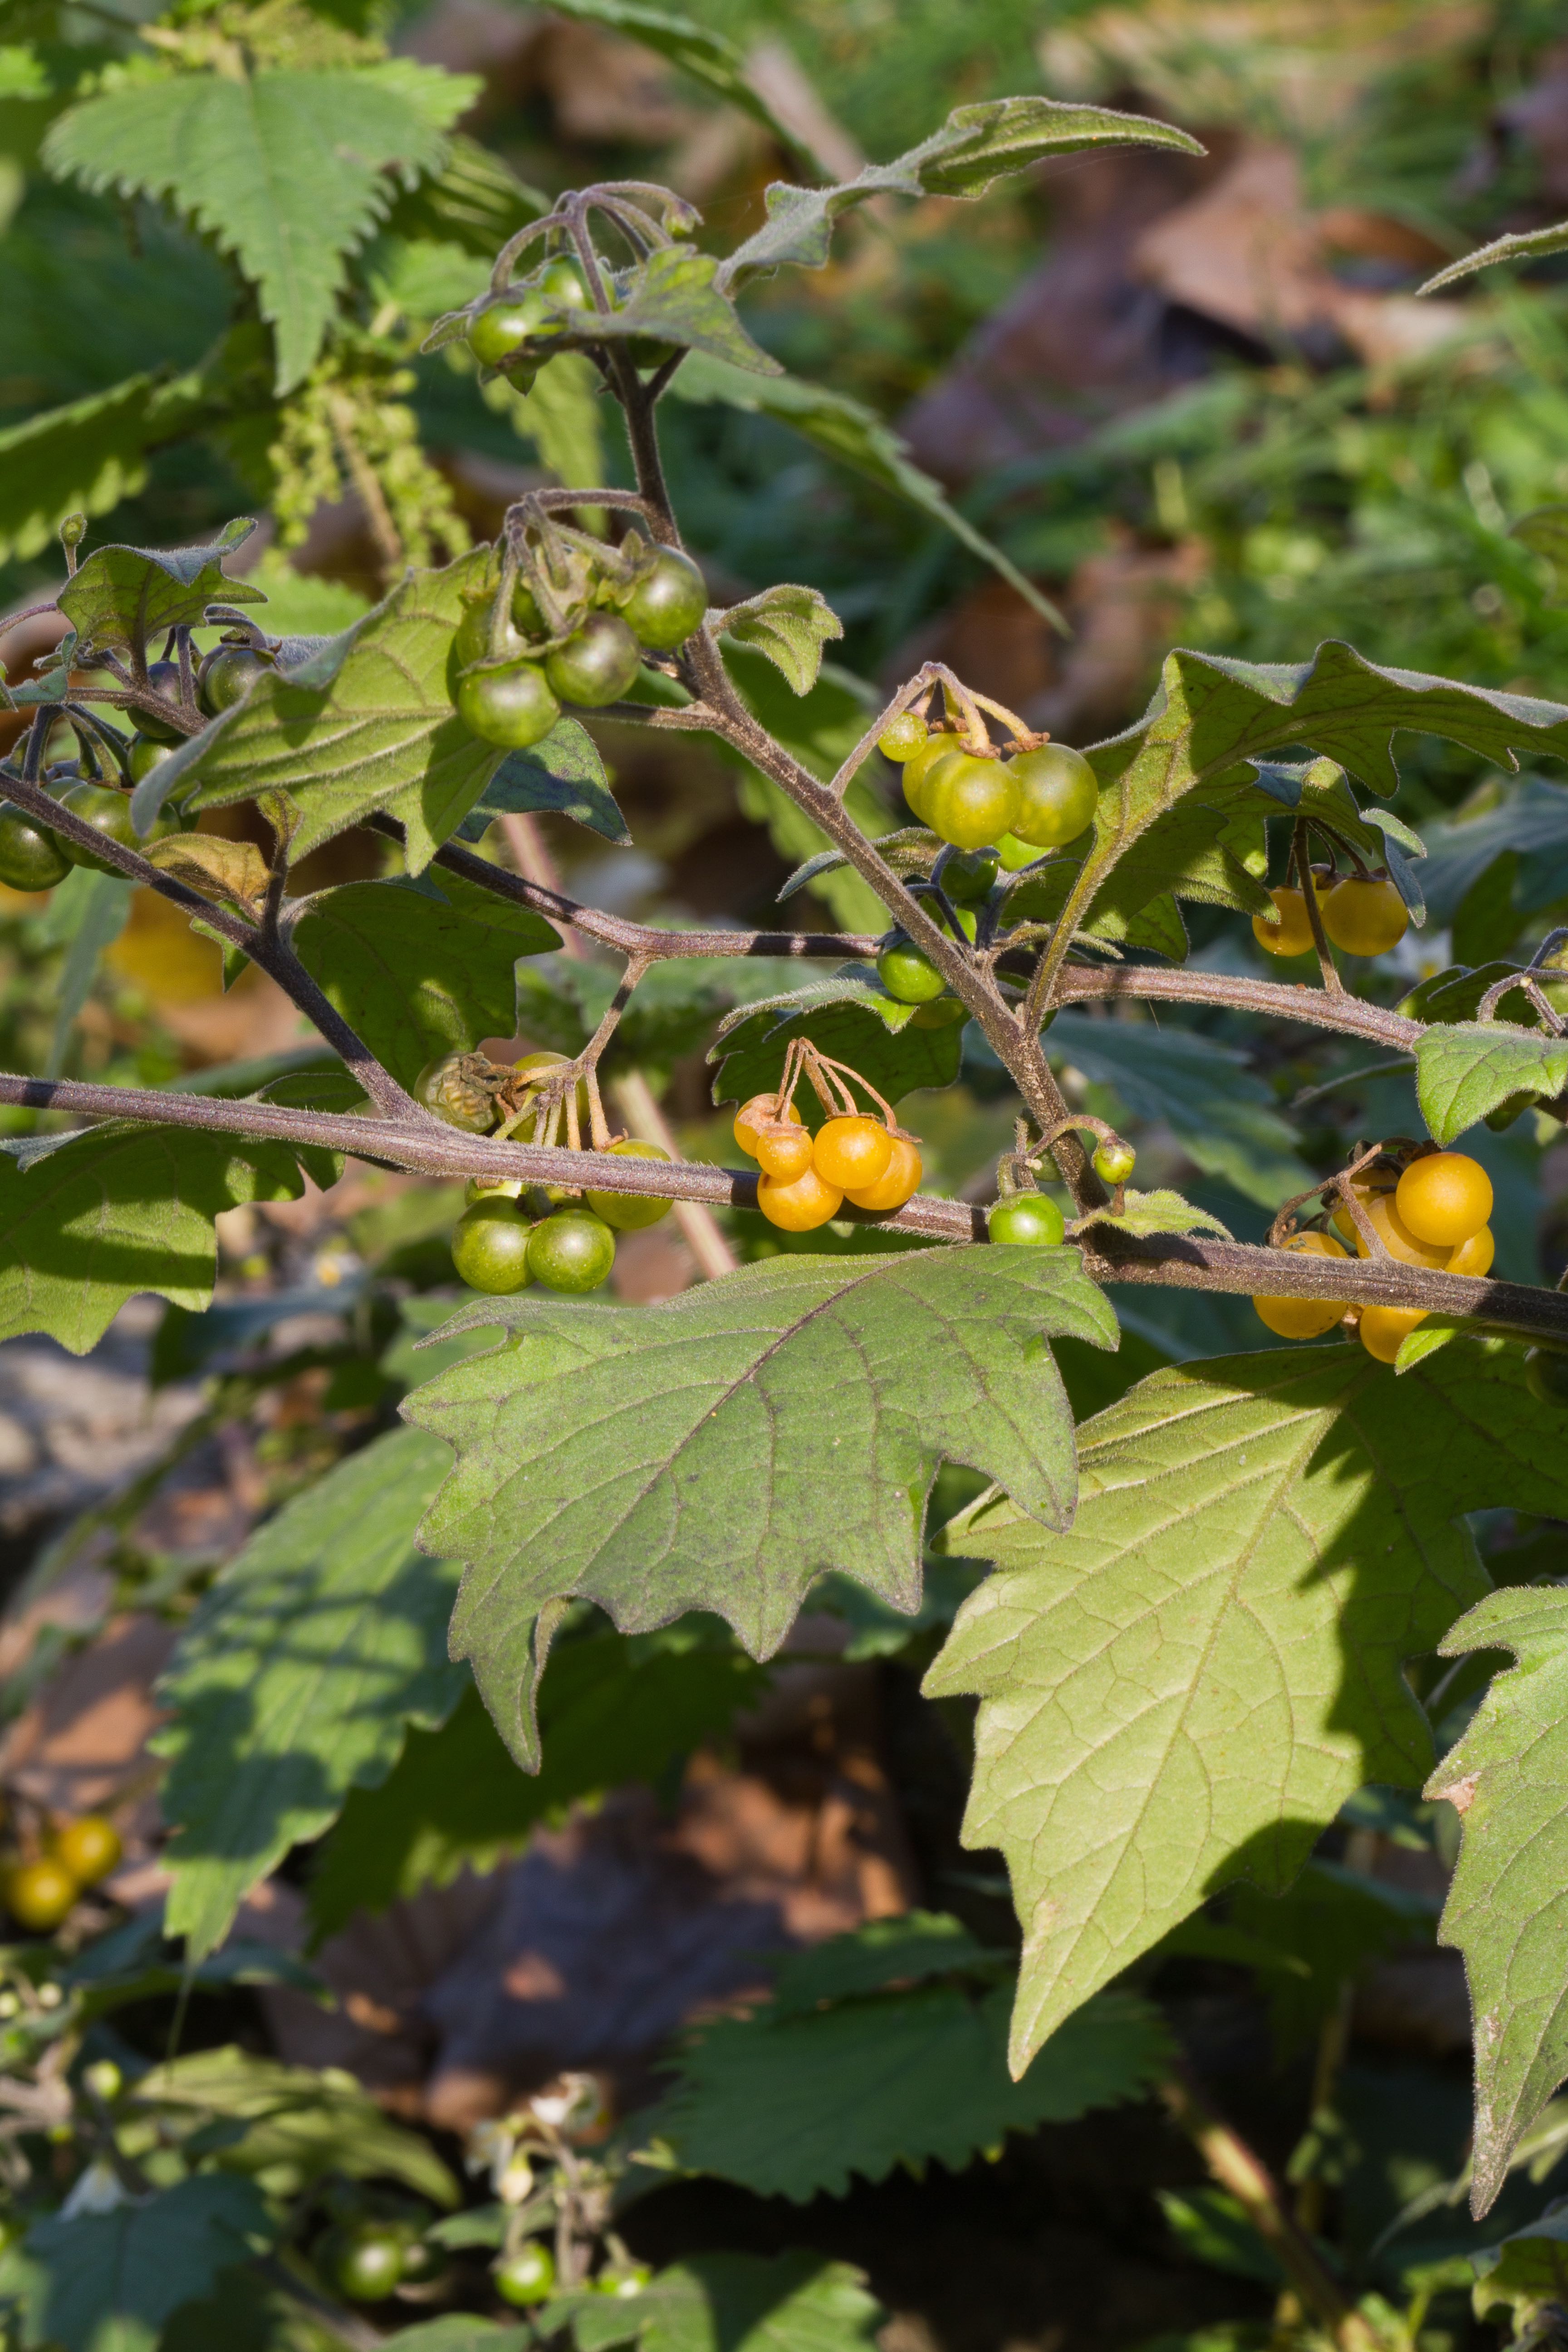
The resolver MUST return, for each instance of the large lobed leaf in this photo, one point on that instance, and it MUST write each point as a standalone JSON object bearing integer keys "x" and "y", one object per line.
{"x": 287, "y": 171}
{"x": 1508, "y": 1774}
{"x": 610, "y": 1711}
{"x": 365, "y": 724}
{"x": 728, "y": 2303}
{"x": 724, "y": 1449}
{"x": 108, "y": 2282}
{"x": 420, "y": 970}
{"x": 976, "y": 146}
{"x": 317, "y": 1647}
{"x": 88, "y": 1220}
{"x": 1184, "y": 1689}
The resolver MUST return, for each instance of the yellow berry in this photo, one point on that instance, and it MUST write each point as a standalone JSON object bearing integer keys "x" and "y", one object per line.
{"x": 1304, "y": 1319}
{"x": 1382, "y": 1329}
{"x": 1445, "y": 1197}
{"x": 799, "y": 1207}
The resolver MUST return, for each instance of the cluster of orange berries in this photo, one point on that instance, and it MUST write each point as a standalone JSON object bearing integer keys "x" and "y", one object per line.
{"x": 1363, "y": 916}
{"x": 871, "y": 1163}
{"x": 1434, "y": 1213}
{"x": 39, "y": 1892}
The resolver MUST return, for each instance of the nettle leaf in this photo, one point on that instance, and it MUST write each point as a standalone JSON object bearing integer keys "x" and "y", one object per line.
{"x": 287, "y": 171}
{"x": 850, "y": 1018}
{"x": 610, "y": 1710}
{"x": 122, "y": 594}
{"x": 297, "y": 1678}
{"x": 1505, "y": 1774}
{"x": 317, "y": 2123}
{"x": 1533, "y": 245}
{"x": 1152, "y": 1213}
{"x": 793, "y": 2105}
{"x": 418, "y": 971}
{"x": 1184, "y": 1689}
{"x": 724, "y": 1449}
{"x": 365, "y": 723}
{"x": 1212, "y": 714}
{"x": 108, "y": 2282}
{"x": 566, "y": 772}
{"x": 790, "y": 625}
{"x": 1221, "y": 1113}
{"x": 88, "y": 1220}
{"x": 1465, "y": 1070}
{"x": 853, "y": 436}
{"x": 728, "y": 2303}
{"x": 473, "y": 201}
{"x": 903, "y": 1950}
{"x": 975, "y": 146}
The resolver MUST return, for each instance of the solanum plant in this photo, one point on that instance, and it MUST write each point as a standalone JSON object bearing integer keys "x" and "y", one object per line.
{"x": 1191, "y": 1647}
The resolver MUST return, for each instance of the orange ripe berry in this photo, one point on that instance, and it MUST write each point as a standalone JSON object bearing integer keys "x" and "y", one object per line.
{"x": 763, "y": 1111}
{"x": 799, "y": 1207}
{"x": 1474, "y": 1256}
{"x": 1304, "y": 1319}
{"x": 1445, "y": 1197}
{"x": 783, "y": 1152}
{"x": 853, "y": 1153}
{"x": 1382, "y": 1329}
{"x": 901, "y": 1182}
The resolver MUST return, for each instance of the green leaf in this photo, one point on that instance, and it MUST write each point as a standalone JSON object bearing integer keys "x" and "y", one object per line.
{"x": 1211, "y": 716}
{"x": 327, "y": 1089}
{"x": 108, "y": 2282}
{"x": 1532, "y": 819}
{"x": 1535, "y": 244}
{"x": 724, "y": 1449}
{"x": 1222, "y": 1115}
{"x": 88, "y": 1220}
{"x": 1465, "y": 1070}
{"x": 672, "y": 1014}
{"x": 1184, "y": 1689}
{"x": 1334, "y": 1921}
{"x": 851, "y": 1019}
{"x": 790, "y": 626}
{"x": 728, "y": 2303}
{"x": 1153, "y": 1212}
{"x": 420, "y": 971}
{"x": 288, "y": 171}
{"x": 459, "y": 2331}
{"x": 1506, "y": 1775}
{"x": 315, "y": 2122}
{"x": 610, "y": 1711}
{"x": 705, "y": 55}
{"x": 1545, "y": 533}
{"x": 1527, "y": 2270}
{"x": 903, "y": 1950}
{"x": 95, "y": 908}
{"x": 975, "y": 146}
{"x": 564, "y": 773}
{"x": 853, "y": 436}
{"x": 673, "y": 297}
{"x": 86, "y": 456}
{"x": 124, "y": 594}
{"x": 365, "y": 723}
{"x": 1435, "y": 1332}
{"x": 793, "y": 2107}
{"x": 317, "y": 1646}
{"x": 1213, "y": 2228}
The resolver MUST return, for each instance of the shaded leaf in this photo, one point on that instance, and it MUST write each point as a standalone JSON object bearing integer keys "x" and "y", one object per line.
{"x": 1184, "y": 1689}
{"x": 728, "y": 2303}
{"x": 88, "y": 1220}
{"x": 1335, "y": 1922}
{"x": 1465, "y": 1070}
{"x": 1533, "y": 819}
{"x": 363, "y": 723}
{"x": 474, "y": 200}
{"x": 850, "y": 1018}
{"x": 1506, "y": 1773}
{"x": 1153, "y": 1212}
{"x": 85, "y": 457}
{"x": 790, "y": 625}
{"x": 1212, "y": 2227}
{"x": 609, "y": 1711}
{"x": 856, "y": 436}
{"x": 796, "y": 2106}
{"x": 674, "y": 1010}
{"x": 680, "y": 1458}
{"x": 287, "y": 171}
{"x": 420, "y": 971}
{"x": 123, "y": 594}
{"x": 297, "y": 1678}
{"x": 903, "y": 1950}
{"x": 1529, "y": 2269}
{"x": 251, "y": 2113}
{"x": 975, "y": 146}
{"x": 564, "y": 773}
{"x": 108, "y": 2282}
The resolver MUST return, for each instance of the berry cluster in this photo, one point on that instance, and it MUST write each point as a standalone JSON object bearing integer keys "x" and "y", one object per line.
{"x": 1424, "y": 1207}
{"x": 872, "y": 1163}
{"x": 971, "y": 795}
{"x": 42, "y": 1887}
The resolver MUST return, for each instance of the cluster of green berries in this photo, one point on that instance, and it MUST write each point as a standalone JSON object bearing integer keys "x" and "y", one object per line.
{"x": 976, "y": 799}
{"x": 34, "y": 857}
{"x": 1030, "y": 1220}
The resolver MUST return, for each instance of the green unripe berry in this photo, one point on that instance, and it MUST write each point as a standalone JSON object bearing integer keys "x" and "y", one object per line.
{"x": 572, "y": 1251}
{"x": 1114, "y": 1163}
{"x": 490, "y": 1246}
{"x": 902, "y": 737}
{"x": 968, "y": 876}
{"x": 1028, "y": 1219}
{"x": 907, "y": 973}
{"x": 526, "y": 2276}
